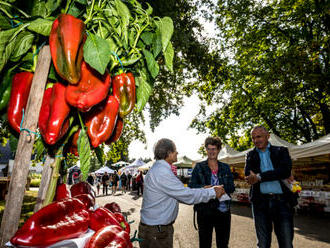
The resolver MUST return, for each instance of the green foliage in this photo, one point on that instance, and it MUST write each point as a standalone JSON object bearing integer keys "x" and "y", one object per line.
{"x": 275, "y": 71}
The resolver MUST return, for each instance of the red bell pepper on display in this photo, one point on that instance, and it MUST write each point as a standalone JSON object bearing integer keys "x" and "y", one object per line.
{"x": 87, "y": 199}
{"x": 57, "y": 221}
{"x": 102, "y": 217}
{"x": 62, "y": 192}
{"x": 122, "y": 221}
{"x": 21, "y": 85}
{"x": 54, "y": 114}
{"x": 91, "y": 89}
{"x": 113, "y": 207}
{"x": 109, "y": 236}
{"x": 100, "y": 122}
{"x": 117, "y": 131}
{"x": 66, "y": 41}
{"x": 82, "y": 188}
{"x": 124, "y": 91}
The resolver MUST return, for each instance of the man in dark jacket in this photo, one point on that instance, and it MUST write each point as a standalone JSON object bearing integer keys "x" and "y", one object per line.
{"x": 272, "y": 202}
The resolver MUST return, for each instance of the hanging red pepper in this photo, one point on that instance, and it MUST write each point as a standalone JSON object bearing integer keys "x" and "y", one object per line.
{"x": 19, "y": 96}
{"x": 117, "y": 131}
{"x": 62, "y": 192}
{"x": 124, "y": 91}
{"x": 100, "y": 122}
{"x": 102, "y": 217}
{"x": 66, "y": 41}
{"x": 54, "y": 114}
{"x": 91, "y": 89}
{"x": 110, "y": 236}
{"x": 57, "y": 221}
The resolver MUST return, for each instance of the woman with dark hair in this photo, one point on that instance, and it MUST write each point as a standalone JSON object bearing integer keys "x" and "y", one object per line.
{"x": 215, "y": 213}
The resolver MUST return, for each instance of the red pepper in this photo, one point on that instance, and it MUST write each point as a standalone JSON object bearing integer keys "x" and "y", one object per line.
{"x": 54, "y": 114}
{"x": 102, "y": 217}
{"x": 91, "y": 89}
{"x": 117, "y": 131}
{"x": 57, "y": 221}
{"x": 100, "y": 122}
{"x": 113, "y": 207}
{"x": 124, "y": 91}
{"x": 87, "y": 199}
{"x": 109, "y": 236}
{"x": 66, "y": 41}
{"x": 122, "y": 221}
{"x": 82, "y": 188}
{"x": 19, "y": 96}
{"x": 62, "y": 192}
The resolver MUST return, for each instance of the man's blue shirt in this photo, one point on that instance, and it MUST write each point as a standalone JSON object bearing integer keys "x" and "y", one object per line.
{"x": 267, "y": 165}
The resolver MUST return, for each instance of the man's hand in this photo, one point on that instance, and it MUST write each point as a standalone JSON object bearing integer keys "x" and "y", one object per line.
{"x": 252, "y": 178}
{"x": 219, "y": 190}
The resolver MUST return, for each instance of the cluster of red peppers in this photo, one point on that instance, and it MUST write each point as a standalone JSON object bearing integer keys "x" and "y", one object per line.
{"x": 70, "y": 216}
{"x": 82, "y": 88}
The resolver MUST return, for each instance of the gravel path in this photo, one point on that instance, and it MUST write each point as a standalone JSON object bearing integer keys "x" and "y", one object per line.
{"x": 310, "y": 231}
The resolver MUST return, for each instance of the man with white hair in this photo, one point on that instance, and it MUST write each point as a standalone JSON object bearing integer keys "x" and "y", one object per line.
{"x": 162, "y": 193}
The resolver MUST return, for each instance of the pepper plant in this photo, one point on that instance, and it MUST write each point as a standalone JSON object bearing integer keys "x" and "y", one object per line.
{"x": 91, "y": 42}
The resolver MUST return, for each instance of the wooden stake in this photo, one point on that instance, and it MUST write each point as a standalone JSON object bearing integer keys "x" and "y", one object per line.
{"x": 11, "y": 216}
{"x": 44, "y": 184}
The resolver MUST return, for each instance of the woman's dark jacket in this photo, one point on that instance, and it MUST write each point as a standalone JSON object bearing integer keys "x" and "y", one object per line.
{"x": 201, "y": 176}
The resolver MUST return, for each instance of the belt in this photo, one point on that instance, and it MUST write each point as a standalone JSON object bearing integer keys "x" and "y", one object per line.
{"x": 143, "y": 224}
{"x": 273, "y": 196}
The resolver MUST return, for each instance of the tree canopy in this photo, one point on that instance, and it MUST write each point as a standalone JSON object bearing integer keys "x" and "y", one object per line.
{"x": 275, "y": 64}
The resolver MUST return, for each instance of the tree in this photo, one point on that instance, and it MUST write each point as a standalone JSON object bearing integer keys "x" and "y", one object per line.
{"x": 276, "y": 71}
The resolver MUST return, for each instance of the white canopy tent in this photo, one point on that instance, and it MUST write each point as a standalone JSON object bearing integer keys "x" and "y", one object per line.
{"x": 146, "y": 166}
{"x": 133, "y": 167}
{"x": 320, "y": 147}
{"x": 184, "y": 162}
{"x": 103, "y": 170}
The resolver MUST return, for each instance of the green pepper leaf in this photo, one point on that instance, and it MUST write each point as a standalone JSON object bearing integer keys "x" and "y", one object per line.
{"x": 169, "y": 55}
{"x": 39, "y": 8}
{"x": 97, "y": 52}
{"x": 39, "y": 149}
{"x": 4, "y": 23}
{"x": 99, "y": 154}
{"x": 152, "y": 64}
{"x": 84, "y": 151}
{"x": 125, "y": 16}
{"x": 131, "y": 60}
{"x": 147, "y": 37}
{"x": 144, "y": 91}
{"x": 157, "y": 42}
{"x": 149, "y": 10}
{"x": 7, "y": 45}
{"x": 23, "y": 43}
{"x": 166, "y": 29}
{"x": 41, "y": 26}
{"x": 52, "y": 5}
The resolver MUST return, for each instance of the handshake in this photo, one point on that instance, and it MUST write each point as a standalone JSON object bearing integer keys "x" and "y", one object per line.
{"x": 219, "y": 190}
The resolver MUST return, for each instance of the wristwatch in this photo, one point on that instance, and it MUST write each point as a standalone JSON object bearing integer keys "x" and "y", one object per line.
{"x": 259, "y": 177}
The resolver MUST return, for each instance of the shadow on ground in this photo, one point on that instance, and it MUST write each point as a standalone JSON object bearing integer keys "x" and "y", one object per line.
{"x": 314, "y": 226}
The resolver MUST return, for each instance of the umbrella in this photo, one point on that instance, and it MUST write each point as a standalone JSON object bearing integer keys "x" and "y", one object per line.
{"x": 104, "y": 169}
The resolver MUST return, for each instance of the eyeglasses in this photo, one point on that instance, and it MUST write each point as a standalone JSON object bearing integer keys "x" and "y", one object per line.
{"x": 211, "y": 149}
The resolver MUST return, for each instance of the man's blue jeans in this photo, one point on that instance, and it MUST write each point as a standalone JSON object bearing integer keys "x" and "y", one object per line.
{"x": 273, "y": 211}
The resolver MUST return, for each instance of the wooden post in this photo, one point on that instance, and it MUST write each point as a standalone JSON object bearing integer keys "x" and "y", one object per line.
{"x": 11, "y": 216}
{"x": 44, "y": 184}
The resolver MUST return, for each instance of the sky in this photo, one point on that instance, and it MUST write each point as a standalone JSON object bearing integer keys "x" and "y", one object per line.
{"x": 176, "y": 128}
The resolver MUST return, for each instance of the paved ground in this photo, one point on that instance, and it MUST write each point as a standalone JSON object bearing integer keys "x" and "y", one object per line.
{"x": 310, "y": 231}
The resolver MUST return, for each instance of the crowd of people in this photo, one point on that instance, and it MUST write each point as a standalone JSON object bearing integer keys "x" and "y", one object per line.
{"x": 110, "y": 183}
